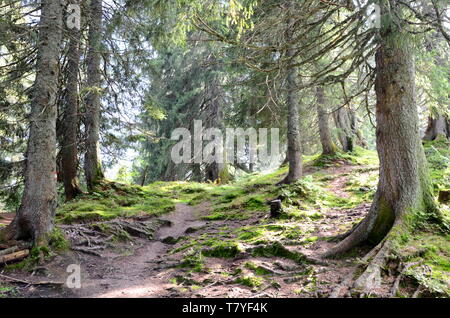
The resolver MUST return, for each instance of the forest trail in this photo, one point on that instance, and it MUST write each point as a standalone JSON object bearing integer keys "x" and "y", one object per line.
{"x": 134, "y": 275}
{"x": 173, "y": 265}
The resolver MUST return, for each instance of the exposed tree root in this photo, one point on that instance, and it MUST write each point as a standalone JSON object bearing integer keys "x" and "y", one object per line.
{"x": 348, "y": 281}
{"x": 94, "y": 237}
{"x": 370, "y": 279}
{"x": 396, "y": 285}
{"x": 87, "y": 250}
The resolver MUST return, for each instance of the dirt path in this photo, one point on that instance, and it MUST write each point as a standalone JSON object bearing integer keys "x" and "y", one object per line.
{"x": 136, "y": 275}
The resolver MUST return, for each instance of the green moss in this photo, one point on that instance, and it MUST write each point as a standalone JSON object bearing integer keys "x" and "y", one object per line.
{"x": 258, "y": 270}
{"x": 249, "y": 281}
{"x": 254, "y": 203}
{"x": 431, "y": 255}
{"x": 276, "y": 249}
{"x": 194, "y": 261}
{"x": 250, "y": 233}
{"x": 225, "y": 249}
{"x": 359, "y": 156}
{"x": 111, "y": 200}
{"x": 8, "y": 291}
{"x": 58, "y": 241}
{"x": 383, "y": 223}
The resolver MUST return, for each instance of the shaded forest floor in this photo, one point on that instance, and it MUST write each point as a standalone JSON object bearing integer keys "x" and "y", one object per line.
{"x": 182, "y": 239}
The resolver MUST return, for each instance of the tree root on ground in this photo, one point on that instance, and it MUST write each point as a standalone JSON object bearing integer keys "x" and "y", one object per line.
{"x": 370, "y": 279}
{"x": 396, "y": 285}
{"x": 348, "y": 281}
{"x": 94, "y": 237}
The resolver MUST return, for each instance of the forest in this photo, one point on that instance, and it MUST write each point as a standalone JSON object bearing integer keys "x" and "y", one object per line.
{"x": 224, "y": 149}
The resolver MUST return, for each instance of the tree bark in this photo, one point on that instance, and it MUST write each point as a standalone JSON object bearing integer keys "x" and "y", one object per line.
{"x": 69, "y": 143}
{"x": 294, "y": 152}
{"x": 214, "y": 119}
{"x": 404, "y": 184}
{"x": 328, "y": 146}
{"x": 92, "y": 165}
{"x": 345, "y": 123}
{"x": 35, "y": 216}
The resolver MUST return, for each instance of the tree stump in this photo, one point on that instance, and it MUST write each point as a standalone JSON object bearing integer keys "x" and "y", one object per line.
{"x": 275, "y": 208}
{"x": 444, "y": 196}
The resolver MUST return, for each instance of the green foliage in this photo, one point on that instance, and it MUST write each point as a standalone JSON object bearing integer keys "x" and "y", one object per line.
{"x": 8, "y": 291}
{"x": 57, "y": 240}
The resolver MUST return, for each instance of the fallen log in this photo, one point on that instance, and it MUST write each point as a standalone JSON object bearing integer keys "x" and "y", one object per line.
{"x": 9, "y": 250}
{"x": 21, "y": 281}
{"x": 14, "y": 256}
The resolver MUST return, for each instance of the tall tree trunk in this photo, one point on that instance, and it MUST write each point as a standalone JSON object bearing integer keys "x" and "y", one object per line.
{"x": 69, "y": 143}
{"x": 345, "y": 123}
{"x": 404, "y": 185}
{"x": 92, "y": 165}
{"x": 35, "y": 217}
{"x": 214, "y": 119}
{"x": 328, "y": 146}
{"x": 293, "y": 134}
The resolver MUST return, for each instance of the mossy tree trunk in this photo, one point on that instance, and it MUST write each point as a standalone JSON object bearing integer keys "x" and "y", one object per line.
{"x": 69, "y": 142}
{"x": 344, "y": 120}
{"x": 404, "y": 195}
{"x": 92, "y": 165}
{"x": 214, "y": 119}
{"x": 294, "y": 153}
{"x": 35, "y": 217}
{"x": 328, "y": 146}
